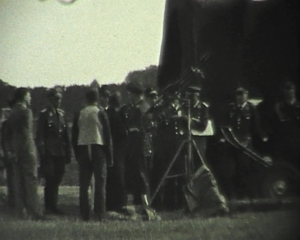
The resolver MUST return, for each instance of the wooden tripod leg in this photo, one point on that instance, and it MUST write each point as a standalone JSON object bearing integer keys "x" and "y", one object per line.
{"x": 167, "y": 171}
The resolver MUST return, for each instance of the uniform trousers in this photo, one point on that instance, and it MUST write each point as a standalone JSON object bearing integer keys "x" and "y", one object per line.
{"x": 92, "y": 159}
{"x": 116, "y": 196}
{"x": 137, "y": 181}
{"x": 54, "y": 171}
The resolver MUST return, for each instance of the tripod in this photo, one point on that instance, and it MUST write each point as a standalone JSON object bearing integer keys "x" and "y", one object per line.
{"x": 188, "y": 164}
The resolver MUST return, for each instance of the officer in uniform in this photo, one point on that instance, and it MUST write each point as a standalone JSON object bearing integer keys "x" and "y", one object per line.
{"x": 287, "y": 128}
{"x": 243, "y": 119}
{"x": 199, "y": 120}
{"x": 54, "y": 148}
{"x": 170, "y": 135}
{"x": 150, "y": 126}
{"x": 115, "y": 187}
{"x": 135, "y": 163}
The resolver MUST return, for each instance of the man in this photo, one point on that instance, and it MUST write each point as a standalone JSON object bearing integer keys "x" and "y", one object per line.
{"x": 9, "y": 158}
{"x": 54, "y": 148}
{"x": 136, "y": 169}
{"x": 199, "y": 121}
{"x": 25, "y": 179}
{"x": 116, "y": 189}
{"x": 149, "y": 122}
{"x": 91, "y": 138}
{"x": 243, "y": 119}
{"x": 287, "y": 128}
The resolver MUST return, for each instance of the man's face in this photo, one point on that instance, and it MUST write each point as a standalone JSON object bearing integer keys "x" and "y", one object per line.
{"x": 241, "y": 98}
{"x": 103, "y": 100}
{"x": 55, "y": 102}
{"x": 27, "y": 98}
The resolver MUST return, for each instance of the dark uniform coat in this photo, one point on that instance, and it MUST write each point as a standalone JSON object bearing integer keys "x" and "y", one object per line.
{"x": 54, "y": 150}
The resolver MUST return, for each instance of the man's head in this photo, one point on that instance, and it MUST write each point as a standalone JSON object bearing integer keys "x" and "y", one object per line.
{"x": 92, "y": 96}
{"x": 104, "y": 95}
{"x": 22, "y": 95}
{"x": 289, "y": 91}
{"x": 152, "y": 95}
{"x": 115, "y": 100}
{"x": 135, "y": 92}
{"x": 241, "y": 95}
{"x": 54, "y": 98}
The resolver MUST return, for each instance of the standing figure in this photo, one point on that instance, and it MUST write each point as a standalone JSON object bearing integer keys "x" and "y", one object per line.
{"x": 287, "y": 127}
{"x": 135, "y": 164}
{"x": 54, "y": 149}
{"x": 199, "y": 121}
{"x": 9, "y": 158}
{"x": 116, "y": 188}
{"x": 243, "y": 119}
{"x": 91, "y": 138}
{"x": 149, "y": 121}
{"x": 25, "y": 177}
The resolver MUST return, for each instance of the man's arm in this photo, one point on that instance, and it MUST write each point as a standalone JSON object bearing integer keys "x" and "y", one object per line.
{"x": 68, "y": 143}
{"x": 107, "y": 135}
{"x": 75, "y": 133}
{"x": 40, "y": 134}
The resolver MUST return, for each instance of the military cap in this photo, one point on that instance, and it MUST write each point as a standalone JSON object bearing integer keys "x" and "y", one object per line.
{"x": 53, "y": 93}
{"x": 134, "y": 87}
{"x": 289, "y": 86}
{"x": 241, "y": 90}
{"x": 194, "y": 88}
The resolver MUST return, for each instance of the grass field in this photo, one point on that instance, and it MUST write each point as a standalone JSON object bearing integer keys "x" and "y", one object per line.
{"x": 277, "y": 225}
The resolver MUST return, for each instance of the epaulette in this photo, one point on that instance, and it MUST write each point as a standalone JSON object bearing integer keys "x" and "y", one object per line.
{"x": 44, "y": 110}
{"x": 60, "y": 110}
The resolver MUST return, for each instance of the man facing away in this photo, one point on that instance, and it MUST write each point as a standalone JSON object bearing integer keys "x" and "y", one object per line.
{"x": 25, "y": 177}
{"x": 92, "y": 143}
{"x": 54, "y": 148}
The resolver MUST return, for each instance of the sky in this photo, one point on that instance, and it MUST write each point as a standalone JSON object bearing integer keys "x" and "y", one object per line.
{"x": 45, "y": 42}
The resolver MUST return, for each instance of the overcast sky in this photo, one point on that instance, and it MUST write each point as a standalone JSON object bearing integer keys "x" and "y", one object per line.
{"x": 43, "y": 42}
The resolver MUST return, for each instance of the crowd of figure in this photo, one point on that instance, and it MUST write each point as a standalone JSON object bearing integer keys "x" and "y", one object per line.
{"x": 127, "y": 149}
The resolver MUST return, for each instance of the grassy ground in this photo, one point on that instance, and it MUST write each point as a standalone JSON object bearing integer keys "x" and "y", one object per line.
{"x": 279, "y": 225}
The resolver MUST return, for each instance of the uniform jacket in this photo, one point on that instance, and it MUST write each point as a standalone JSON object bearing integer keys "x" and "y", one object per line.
{"x": 199, "y": 116}
{"x": 21, "y": 125}
{"x": 244, "y": 121}
{"x": 132, "y": 117}
{"x": 52, "y": 134}
{"x": 103, "y": 118}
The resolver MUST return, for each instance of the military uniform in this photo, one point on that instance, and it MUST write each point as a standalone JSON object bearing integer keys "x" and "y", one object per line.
{"x": 171, "y": 131}
{"x": 115, "y": 187}
{"x": 244, "y": 122}
{"x": 55, "y": 152}
{"x": 135, "y": 164}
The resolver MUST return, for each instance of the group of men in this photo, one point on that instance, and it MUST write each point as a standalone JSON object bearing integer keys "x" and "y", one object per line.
{"x": 126, "y": 148}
